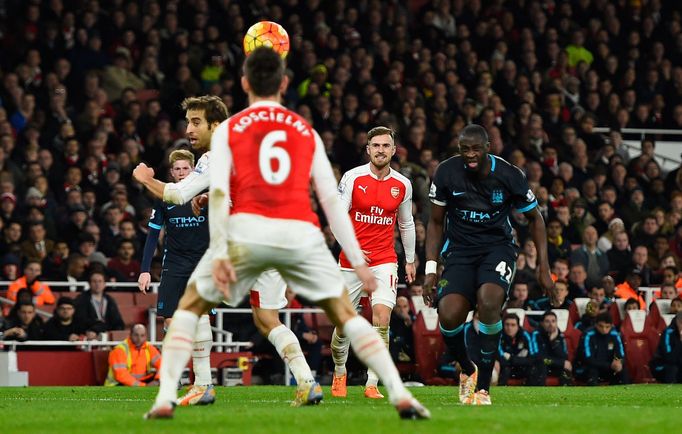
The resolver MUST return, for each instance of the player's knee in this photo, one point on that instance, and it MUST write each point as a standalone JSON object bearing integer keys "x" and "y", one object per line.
{"x": 381, "y": 315}
{"x": 489, "y": 307}
{"x": 266, "y": 320}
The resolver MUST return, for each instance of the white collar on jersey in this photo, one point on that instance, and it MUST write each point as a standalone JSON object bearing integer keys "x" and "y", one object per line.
{"x": 390, "y": 172}
{"x": 264, "y": 103}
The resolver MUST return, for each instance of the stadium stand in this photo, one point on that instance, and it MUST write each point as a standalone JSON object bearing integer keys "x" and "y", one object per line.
{"x": 585, "y": 97}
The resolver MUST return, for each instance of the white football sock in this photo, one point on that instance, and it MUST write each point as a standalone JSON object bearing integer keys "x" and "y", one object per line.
{"x": 289, "y": 349}
{"x": 372, "y": 378}
{"x": 339, "y": 347}
{"x": 372, "y": 351}
{"x": 176, "y": 351}
{"x": 201, "y": 353}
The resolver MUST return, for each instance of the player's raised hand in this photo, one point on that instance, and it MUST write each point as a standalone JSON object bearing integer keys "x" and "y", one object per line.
{"x": 143, "y": 282}
{"x": 198, "y": 202}
{"x": 143, "y": 173}
{"x": 369, "y": 282}
{"x": 410, "y": 272}
{"x": 223, "y": 275}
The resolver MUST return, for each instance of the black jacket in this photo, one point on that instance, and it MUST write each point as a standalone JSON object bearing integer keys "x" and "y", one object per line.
{"x": 598, "y": 350}
{"x": 669, "y": 351}
{"x": 553, "y": 353}
{"x": 520, "y": 347}
{"x": 86, "y": 316}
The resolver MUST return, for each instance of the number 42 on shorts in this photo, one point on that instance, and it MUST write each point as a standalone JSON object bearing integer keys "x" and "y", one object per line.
{"x": 505, "y": 271}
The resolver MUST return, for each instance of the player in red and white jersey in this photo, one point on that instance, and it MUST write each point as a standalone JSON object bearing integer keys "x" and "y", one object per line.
{"x": 204, "y": 114}
{"x": 271, "y": 154}
{"x": 376, "y": 197}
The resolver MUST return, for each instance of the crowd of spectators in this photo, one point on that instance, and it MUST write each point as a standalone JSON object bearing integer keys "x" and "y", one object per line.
{"x": 89, "y": 88}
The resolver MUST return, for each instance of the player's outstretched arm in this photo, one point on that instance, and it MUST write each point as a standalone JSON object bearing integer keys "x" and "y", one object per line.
{"x": 539, "y": 235}
{"x": 434, "y": 239}
{"x": 145, "y": 176}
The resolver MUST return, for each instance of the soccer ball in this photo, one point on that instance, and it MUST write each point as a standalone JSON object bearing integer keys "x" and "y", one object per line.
{"x": 268, "y": 34}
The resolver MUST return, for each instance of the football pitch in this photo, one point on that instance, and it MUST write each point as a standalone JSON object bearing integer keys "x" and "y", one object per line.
{"x": 265, "y": 409}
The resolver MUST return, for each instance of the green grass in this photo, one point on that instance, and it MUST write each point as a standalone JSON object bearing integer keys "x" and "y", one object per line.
{"x": 265, "y": 409}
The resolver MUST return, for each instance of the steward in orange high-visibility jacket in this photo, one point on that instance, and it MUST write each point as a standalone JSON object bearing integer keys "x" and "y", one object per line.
{"x": 134, "y": 362}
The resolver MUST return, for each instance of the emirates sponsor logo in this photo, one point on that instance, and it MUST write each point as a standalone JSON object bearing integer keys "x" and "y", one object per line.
{"x": 395, "y": 191}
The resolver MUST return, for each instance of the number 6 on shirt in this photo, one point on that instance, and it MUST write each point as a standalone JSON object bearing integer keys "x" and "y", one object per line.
{"x": 268, "y": 151}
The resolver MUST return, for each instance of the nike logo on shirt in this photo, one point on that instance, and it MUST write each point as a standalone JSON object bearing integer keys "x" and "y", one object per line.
{"x": 458, "y": 193}
{"x": 171, "y": 207}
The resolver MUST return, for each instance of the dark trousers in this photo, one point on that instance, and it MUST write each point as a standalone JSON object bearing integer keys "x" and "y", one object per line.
{"x": 668, "y": 374}
{"x": 527, "y": 372}
{"x": 593, "y": 375}
{"x": 538, "y": 376}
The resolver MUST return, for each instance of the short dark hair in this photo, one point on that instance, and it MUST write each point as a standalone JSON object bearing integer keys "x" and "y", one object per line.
{"x": 214, "y": 108}
{"x": 380, "y": 131}
{"x": 511, "y": 316}
{"x": 604, "y": 317}
{"x": 264, "y": 70}
{"x": 474, "y": 131}
{"x": 548, "y": 313}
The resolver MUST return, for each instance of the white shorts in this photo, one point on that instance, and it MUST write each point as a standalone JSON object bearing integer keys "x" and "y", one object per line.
{"x": 307, "y": 267}
{"x": 269, "y": 291}
{"x": 387, "y": 282}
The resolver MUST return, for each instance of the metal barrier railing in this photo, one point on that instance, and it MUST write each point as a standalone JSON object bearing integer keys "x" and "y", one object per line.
{"x": 643, "y": 133}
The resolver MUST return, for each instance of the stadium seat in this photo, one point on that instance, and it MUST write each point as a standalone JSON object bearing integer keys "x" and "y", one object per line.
{"x": 100, "y": 361}
{"x": 668, "y": 318}
{"x": 562, "y": 319}
{"x": 577, "y": 309}
{"x": 417, "y": 303}
{"x": 149, "y": 299}
{"x": 428, "y": 346}
{"x": 133, "y": 314}
{"x": 617, "y": 311}
{"x": 658, "y": 308}
{"x": 640, "y": 341}
{"x": 123, "y": 298}
{"x": 118, "y": 335}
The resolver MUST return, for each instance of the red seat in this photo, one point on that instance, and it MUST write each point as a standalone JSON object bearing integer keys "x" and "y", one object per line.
{"x": 101, "y": 364}
{"x": 572, "y": 336}
{"x": 639, "y": 348}
{"x": 428, "y": 348}
{"x": 148, "y": 300}
{"x": 656, "y": 311}
{"x": 577, "y": 309}
{"x": 118, "y": 335}
{"x": 133, "y": 314}
{"x": 127, "y": 298}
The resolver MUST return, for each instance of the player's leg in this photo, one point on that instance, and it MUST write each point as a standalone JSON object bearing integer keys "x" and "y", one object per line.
{"x": 199, "y": 297}
{"x": 313, "y": 274}
{"x": 491, "y": 297}
{"x": 383, "y": 301}
{"x": 177, "y": 349}
{"x": 494, "y": 276}
{"x": 171, "y": 290}
{"x": 340, "y": 345}
{"x": 266, "y": 298}
{"x": 371, "y": 350}
{"x": 455, "y": 298}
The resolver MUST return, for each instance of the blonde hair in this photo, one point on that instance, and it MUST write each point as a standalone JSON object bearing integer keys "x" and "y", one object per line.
{"x": 181, "y": 154}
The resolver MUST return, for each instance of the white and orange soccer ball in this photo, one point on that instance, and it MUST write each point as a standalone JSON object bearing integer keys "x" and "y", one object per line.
{"x": 268, "y": 34}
